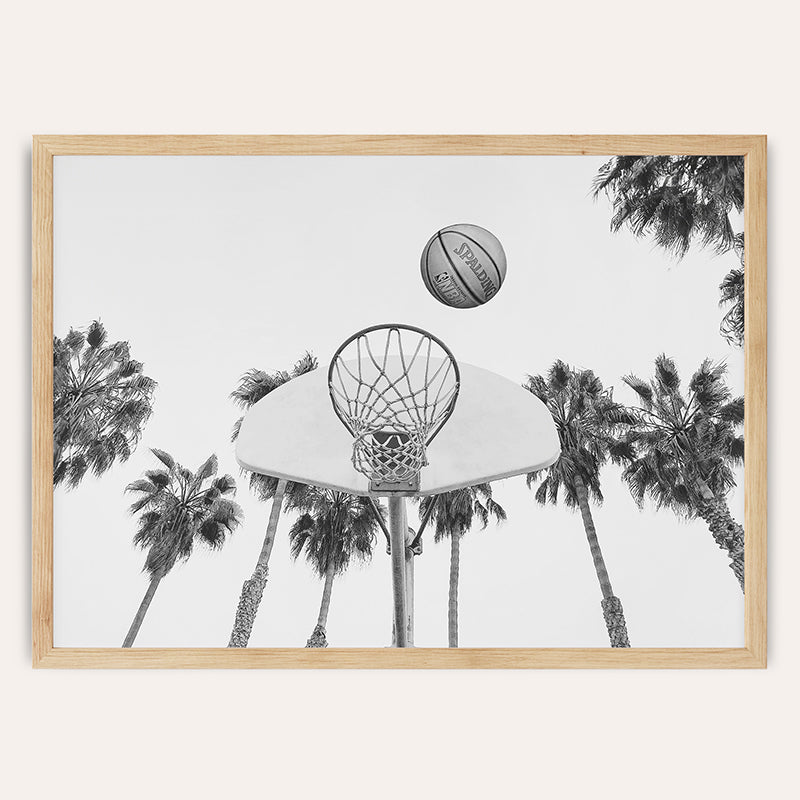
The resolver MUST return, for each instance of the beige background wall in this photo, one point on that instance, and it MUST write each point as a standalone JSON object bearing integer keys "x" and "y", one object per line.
{"x": 434, "y": 67}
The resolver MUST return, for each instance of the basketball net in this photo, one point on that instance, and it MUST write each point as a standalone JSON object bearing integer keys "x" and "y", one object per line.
{"x": 393, "y": 387}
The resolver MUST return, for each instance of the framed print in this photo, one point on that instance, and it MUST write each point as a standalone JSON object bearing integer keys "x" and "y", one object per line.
{"x": 399, "y": 401}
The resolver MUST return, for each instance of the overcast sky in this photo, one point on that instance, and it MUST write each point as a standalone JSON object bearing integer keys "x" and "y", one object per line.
{"x": 210, "y": 266}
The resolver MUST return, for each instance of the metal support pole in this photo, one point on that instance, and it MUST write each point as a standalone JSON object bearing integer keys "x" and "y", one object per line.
{"x": 398, "y": 530}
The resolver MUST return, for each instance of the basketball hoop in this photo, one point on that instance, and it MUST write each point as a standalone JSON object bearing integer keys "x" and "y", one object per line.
{"x": 393, "y": 387}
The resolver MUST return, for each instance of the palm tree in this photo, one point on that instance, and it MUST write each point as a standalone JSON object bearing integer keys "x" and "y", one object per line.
{"x": 732, "y": 294}
{"x": 177, "y": 508}
{"x": 101, "y": 401}
{"x": 453, "y": 513}
{"x": 332, "y": 529}
{"x": 254, "y": 385}
{"x": 686, "y": 447}
{"x": 587, "y": 419}
{"x": 679, "y": 200}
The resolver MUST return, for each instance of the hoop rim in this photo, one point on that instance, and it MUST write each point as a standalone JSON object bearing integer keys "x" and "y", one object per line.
{"x": 391, "y": 326}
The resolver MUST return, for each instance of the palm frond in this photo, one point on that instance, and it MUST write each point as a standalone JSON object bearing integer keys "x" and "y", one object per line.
{"x": 558, "y": 377}
{"x": 537, "y": 386}
{"x": 225, "y": 484}
{"x": 732, "y": 294}
{"x": 206, "y": 469}
{"x": 481, "y": 512}
{"x": 540, "y": 495}
{"x": 74, "y": 341}
{"x": 707, "y": 384}
{"x": 306, "y": 363}
{"x": 496, "y": 510}
{"x": 142, "y": 485}
{"x": 165, "y": 458}
{"x": 666, "y": 376}
{"x": 736, "y": 449}
{"x": 158, "y": 477}
{"x": 642, "y": 388}
{"x": 256, "y": 384}
{"x": 96, "y": 335}
{"x": 142, "y": 502}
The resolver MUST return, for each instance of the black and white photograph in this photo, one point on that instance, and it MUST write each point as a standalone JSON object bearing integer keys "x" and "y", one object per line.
{"x": 398, "y": 401}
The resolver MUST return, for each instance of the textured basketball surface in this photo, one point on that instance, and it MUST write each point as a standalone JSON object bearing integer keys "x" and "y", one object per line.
{"x": 463, "y": 266}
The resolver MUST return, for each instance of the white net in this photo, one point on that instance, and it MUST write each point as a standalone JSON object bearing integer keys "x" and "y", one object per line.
{"x": 393, "y": 387}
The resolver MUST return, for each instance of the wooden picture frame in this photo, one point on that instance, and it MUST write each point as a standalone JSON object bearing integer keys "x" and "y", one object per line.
{"x": 752, "y": 655}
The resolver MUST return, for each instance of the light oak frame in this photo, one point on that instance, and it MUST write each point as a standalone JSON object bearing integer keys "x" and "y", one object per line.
{"x": 753, "y": 654}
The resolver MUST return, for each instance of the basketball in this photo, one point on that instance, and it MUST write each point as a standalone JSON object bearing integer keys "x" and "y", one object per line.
{"x": 463, "y": 266}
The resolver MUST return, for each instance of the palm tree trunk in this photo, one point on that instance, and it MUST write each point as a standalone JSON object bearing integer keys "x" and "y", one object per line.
{"x": 253, "y": 589}
{"x": 145, "y": 604}
{"x": 452, "y": 602}
{"x": 611, "y": 605}
{"x": 318, "y": 638}
{"x": 727, "y": 533}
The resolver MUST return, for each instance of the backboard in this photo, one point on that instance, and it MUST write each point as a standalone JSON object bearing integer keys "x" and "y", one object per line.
{"x": 497, "y": 430}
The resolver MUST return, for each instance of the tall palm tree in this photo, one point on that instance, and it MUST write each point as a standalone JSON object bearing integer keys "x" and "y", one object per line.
{"x": 333, "y": 529}
{"x": 679, "y": 200}
{"x": 587, "y": 419}
{"x": 686, "y": 447}
{"x": 177, "y": 508}
{"x": 253, "y": 386}
{"x": 101, "y": 401}
{"x": 453, "y": 514}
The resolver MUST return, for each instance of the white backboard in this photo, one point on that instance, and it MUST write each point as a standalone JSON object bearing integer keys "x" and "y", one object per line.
{"x": 498, "y": 429}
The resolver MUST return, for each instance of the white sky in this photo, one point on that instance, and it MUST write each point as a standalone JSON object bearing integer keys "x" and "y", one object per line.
{"x": 209, "y": 266}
